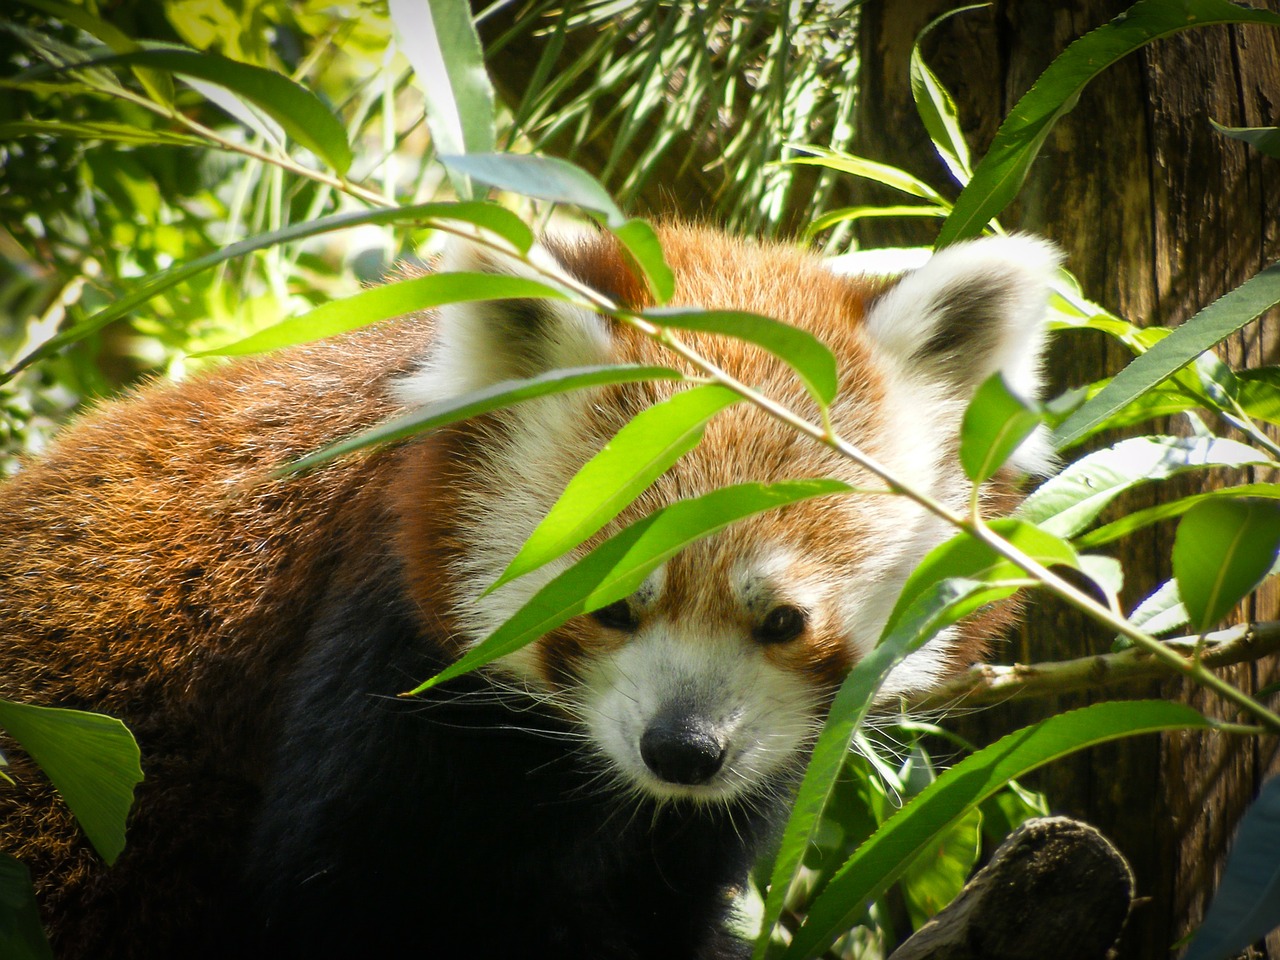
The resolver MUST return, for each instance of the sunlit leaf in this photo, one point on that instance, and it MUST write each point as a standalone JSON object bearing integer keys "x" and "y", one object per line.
{"x": 92, "y": 760}
{"x": 1069, "y": 502}
{"x": 1223, "y": 549}
{"x": 301, "y": 114}
{"x": 1166, "y": 400}
{"x": 964, "y": 555}
{"x": 544, "y": 178}
{"x": 805, "y": 353}
{"x": 1265, "y": 139}
{"x": 97, "y": 130}
{"x": 441, "y": 43}
{"x": 1202, "y": 332}
{"x": 640, "y": 241}
{"x": 638, "y": 454}
{"x": 485, "y": 215}
{"x": 384, "y": 303}
{"x": 156, "y": 83}
{"x": 995, "y": 424}
{"x": 937, "y": 109}
{"x": 832, "y": 217}
{"x": 1140, "y": 519}
{"x": 473, "y": 404}
{"x": 1161, "y": 612}
{"x": 1258, "y": 393}
{"x": 939, "y": 606}
{"x": 890, "y": 176}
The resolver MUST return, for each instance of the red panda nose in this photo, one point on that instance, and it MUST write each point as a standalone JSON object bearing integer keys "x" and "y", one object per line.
{"x": 682, "y": 749}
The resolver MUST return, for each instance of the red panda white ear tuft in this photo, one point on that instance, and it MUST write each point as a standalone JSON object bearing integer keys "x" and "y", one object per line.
{"x": 478, "y": 344}
{"x": 971, "y": 310}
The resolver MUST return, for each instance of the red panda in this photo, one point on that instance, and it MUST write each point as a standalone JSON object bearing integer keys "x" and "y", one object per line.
{"x": 599, "y": 794}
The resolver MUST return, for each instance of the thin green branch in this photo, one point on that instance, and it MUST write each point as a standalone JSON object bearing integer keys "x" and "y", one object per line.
{"x": 985, "y": 683}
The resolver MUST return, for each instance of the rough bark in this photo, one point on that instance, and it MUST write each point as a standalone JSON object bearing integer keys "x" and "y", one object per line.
{"x": 1158, "y": 215}
{"x": 1056, "y": 889}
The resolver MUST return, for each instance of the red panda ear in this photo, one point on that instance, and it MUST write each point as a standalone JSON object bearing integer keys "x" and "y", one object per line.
{"x": 485, "y": 342}
{"x": 970, "y": 310}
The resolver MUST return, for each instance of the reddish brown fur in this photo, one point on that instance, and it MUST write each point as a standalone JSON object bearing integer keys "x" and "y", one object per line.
{"x": 148, "y": 572}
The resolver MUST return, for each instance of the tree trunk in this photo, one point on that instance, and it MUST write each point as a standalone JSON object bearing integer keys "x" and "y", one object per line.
{"x": 1158, "y": 215}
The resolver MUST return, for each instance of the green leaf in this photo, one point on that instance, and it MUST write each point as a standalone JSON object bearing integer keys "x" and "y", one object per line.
{"x": 966, "y": 556}
{"x": 384, "y": 303}
{"x": 159, "y": 85}
{"x": 1222, "y": 550}
{"x": 1140, "y": 519}
{"x": 441, "y": 43}
{"x": 802, "y": 351}
{"x": 831, "y": 218}
{"x": 940, "y": 606}
{"x": 21, "y": 936}
{"x": 617, "y": 567}
{"x": 1258, "y": 393}
{"x": 883, "y": 858}
{"x": 544, "y": 178}
{"x": 638, "y": 454}
{"x": 995, "y": 423}
{"x": 1207, "y": 328}
{"x": 1002, "y": 171}
{"x": 1246, "y": 906}
{"x": 890, "y": 176}
{"x": 936, "y": 108}
{"x": 503, "y": 394}
{"x": 488, "y": 216}
{"x": 939, "y": 873}
{"x": 98, "y": 130}
{"x": 1069, "y": 502}
{"x": 1161, "y": 612}
{"x": 1163, "y": 401}
{"x": 1265, "y": 139}
{"x": 298, "y": 111}
{"x": 92, "y": 760}
{"x": 642, "y": 244}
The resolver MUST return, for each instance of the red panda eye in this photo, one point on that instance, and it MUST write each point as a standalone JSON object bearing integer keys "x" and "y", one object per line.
{"x": 617, "y": 616}
{"x": 781, "y": 624}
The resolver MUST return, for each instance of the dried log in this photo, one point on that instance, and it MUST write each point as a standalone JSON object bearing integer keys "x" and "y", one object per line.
{"x": 1056, "y": 889}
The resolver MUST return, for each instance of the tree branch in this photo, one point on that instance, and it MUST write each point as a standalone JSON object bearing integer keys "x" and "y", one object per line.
{"x": 986, "y": 683}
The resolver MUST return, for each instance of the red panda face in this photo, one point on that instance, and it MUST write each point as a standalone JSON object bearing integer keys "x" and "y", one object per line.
{"x": 708, "y": 683}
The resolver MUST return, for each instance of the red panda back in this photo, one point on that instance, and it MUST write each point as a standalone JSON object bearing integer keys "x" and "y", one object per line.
{"x": 150, "y": 570}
